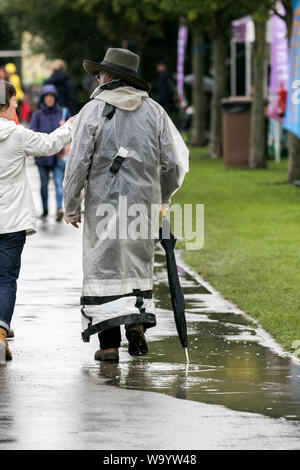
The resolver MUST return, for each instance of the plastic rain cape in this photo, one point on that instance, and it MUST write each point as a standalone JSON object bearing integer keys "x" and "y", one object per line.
{"x": 121, "y": 129}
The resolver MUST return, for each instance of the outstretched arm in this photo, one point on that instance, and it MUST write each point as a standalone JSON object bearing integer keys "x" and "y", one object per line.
{"x": 78, "y": 164}
{"x": 38, "y": 143}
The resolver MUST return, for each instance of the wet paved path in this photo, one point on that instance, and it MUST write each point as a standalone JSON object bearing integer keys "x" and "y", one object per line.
{"x": 238, "y": 392}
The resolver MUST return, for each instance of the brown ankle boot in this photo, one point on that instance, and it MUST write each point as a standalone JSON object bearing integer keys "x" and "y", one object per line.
{"x": 3, "y": 336}
{"x": 137, "y": 344}
{"x": 111, "y": 355}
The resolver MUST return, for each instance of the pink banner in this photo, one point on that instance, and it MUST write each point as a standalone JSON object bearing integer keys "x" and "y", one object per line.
{"x": 239, "y": 27}
{"x": 182, "y": 40}
{"x": 279, "y": 65}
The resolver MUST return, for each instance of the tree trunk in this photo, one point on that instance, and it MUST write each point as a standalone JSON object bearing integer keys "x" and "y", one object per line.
{"x": 288, "y": 16}
{"x": 198, "y": 122}
{"x": 294, "y": 157}
{"x": 293, "y": 140}
{"x": 257, "y": 158}
{"x": 219, "y": 54}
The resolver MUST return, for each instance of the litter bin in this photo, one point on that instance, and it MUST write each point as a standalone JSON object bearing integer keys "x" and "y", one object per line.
{"x": 236, "y": 130}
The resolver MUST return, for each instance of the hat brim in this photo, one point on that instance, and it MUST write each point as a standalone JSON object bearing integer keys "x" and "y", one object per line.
{"x": 93, "y": 68}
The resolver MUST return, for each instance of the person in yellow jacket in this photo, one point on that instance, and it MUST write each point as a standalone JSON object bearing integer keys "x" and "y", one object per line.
{"x": 14, "y": 78}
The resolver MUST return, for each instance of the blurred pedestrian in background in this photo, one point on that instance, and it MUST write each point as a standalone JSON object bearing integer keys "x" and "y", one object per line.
{"x": 281, "y": 100}
{"x": 46, "y": 119}
{"x": 3, "y": 74}
{"x": 65, "y": 88}
{"x": 89, "y": 84}
{"x": 17, "y": 215}
{"x": 13, "y": 77}
{"x": 25, "y": 111}
{"x": 165, "y": 90}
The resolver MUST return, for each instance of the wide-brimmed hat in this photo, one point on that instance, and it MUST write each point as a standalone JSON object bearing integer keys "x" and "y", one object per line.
{"x": 122, "y": 63}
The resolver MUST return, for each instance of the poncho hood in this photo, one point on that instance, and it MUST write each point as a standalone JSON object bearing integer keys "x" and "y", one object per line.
{"x": 49, "y": 89}
{"x": 126, "y": 98}
{"x": 6, "y": 128}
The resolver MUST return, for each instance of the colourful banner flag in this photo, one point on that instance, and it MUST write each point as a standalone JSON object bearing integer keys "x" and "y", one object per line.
{"x": 182, "y": 40}
{"x": 279, "y": 73}
{"x": 239, "y": 28}
{"x": 292, "y": 116}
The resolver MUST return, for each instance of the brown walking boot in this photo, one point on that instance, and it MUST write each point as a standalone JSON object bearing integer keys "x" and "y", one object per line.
{"x": 111, "y": 355}
{"x": 3, "y": 335}
{"x": 137, "y": 344}
{"x": 10, "y": 334}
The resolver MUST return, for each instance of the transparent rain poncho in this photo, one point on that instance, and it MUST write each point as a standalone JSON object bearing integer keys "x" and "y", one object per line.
{"x": 129, "y": 158}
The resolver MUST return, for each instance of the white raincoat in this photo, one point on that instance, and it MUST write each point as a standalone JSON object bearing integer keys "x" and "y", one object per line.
{"x": 126, "y": 152}
{"x": 16, "y": 143}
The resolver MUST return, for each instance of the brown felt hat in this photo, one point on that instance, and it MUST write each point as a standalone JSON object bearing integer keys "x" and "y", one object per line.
{"x": 122, "y": 63}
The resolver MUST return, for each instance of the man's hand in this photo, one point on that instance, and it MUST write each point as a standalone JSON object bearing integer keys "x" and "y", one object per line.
{"x": 76, "y": 222}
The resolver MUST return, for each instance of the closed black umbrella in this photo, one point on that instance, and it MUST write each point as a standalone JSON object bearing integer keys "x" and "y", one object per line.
{"x": 168, "y": 242}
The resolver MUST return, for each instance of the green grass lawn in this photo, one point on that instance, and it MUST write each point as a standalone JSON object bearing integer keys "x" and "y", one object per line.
{"x": 252, "y": 240}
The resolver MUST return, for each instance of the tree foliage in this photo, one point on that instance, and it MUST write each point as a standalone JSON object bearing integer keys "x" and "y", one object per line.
{"x": 85, "y": 28}
{"x": 67, "y": 33}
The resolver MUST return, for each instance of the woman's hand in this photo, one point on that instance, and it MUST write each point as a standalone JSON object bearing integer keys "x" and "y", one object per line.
{"x": 71, "y": 119}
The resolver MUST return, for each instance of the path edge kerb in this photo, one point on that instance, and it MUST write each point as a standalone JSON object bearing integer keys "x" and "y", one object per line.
{"x": 268, "y": 339}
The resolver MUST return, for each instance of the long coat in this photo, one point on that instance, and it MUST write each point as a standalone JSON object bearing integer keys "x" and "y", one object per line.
{"x": 130, "y": 159}
{"x": 16, "y": 143}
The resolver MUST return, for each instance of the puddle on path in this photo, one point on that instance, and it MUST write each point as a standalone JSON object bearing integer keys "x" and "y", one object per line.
{"x": 230, "y": 364}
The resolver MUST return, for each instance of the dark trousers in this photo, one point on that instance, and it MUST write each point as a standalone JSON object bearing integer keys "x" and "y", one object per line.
{"x": 110, "y": 338}
{"x": 11, "y": 247}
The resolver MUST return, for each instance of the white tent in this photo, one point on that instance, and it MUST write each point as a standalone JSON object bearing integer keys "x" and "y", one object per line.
{"x": 243, "y": 31}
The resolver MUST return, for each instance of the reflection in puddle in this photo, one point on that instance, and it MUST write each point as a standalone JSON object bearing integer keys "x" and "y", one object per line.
{"x": 230, "y": 364}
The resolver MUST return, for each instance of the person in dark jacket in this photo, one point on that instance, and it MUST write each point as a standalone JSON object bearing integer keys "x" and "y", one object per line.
{"x": 64, "y": 86}
{"x": 46, "y": 119}
{"x": 165, "y": 88}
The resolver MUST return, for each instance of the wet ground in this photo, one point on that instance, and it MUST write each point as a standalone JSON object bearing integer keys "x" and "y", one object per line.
{"x": 238, "y": 392}
{"x": 231, "y": 363}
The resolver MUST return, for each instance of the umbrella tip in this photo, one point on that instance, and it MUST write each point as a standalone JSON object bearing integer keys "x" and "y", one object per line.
{"x": 187, "y": 355}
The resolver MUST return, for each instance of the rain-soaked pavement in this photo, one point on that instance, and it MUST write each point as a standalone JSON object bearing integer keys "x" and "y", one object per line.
{"x": 239, "y": 391}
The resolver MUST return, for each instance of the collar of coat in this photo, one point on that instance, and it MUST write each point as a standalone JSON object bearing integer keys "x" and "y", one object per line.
{"x": 120, "y": 95}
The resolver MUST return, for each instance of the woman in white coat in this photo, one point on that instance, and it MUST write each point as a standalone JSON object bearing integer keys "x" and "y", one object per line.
{"x": 17, "y": 215}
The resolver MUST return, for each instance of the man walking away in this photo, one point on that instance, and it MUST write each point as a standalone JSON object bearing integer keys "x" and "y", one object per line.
{"x": 127, "y": 154}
